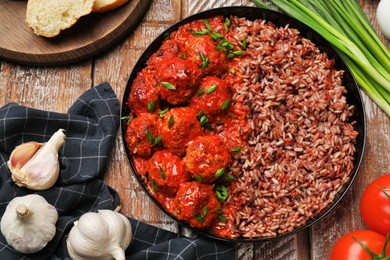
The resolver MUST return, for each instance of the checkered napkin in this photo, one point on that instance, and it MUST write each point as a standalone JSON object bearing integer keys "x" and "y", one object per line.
{"x": 90, "y": 125}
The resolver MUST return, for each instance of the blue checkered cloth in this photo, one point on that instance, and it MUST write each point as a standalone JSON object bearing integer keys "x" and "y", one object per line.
{"x": 91, "y": 126}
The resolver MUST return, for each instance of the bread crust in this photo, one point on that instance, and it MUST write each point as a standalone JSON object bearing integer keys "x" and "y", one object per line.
{"x": 106, "y": 5}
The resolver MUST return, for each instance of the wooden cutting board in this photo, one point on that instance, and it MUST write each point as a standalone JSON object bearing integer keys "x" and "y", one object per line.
{"x": 90, "y": 35}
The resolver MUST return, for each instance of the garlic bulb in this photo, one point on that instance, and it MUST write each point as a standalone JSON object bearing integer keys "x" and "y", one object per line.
{"x": 100, "y": 236}
{"x": 28, "y": 223}
{"x": 35, "y": 165}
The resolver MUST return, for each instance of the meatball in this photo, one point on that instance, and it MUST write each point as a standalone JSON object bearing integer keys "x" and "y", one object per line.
{"x": 201, "y": 50}
{"x": 142, "y": 135}
{"x": 169, "y": 49}
{"x": 178, "y": 128}
{"x": 207, "y": 158}
{"x": 178, "y": 79}
{"x": 143, "y": 91}
{"x": 196, "y": 204}
{"x": 166, "y": 172}
{"x": 213, "y": 97}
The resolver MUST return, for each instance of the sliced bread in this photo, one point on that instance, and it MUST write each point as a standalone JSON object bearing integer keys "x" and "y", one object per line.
{"x": 106, "y": 5}
{"x": 49, "y": 17}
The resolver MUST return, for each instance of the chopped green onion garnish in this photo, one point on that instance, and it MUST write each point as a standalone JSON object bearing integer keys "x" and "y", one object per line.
{"x": 200, "y": 92}
{"x": 156, "y": 140}
{"x": 227, "y": 177}
{"x": 211, "y": 89}
{"x": 216, "y": 36}
{"x": 182, "y": 56}
{"x": 205, "y": 61}
{"x": 168, "y": 85}
{"x": 199, "y": 218}
{"x": 238, "y": 53}
{"x": 150, "y": 136}
{"x": 244, "y": 43}
{"x": 226, "y": 24}
{"x": 222, "y": 218}
{"x": 221, "y": 192}
{"x": 207, "y": 25}
{"x": 225, "y": 104}
{"x": 198, "y": 177}
{"x": 203, "y": 120}
{"x": 151, "y": 106}
{"x": 233, "y": 71}
{"x": 162, "y": 174}
{"x": 171, "y": 121}
{"x": 127, "y": 118}
{"x": 236, "y": 149}
{"x": 219, "y": 172}
{"x": 163, "y": 112}
{"x": 166, "y": 36}
{"x": 202, "y": 32}
{"x": 154, "y": 185}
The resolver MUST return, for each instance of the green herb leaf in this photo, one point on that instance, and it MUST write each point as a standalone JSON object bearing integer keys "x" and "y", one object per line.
{"x": 221, "y": 192}
{"x": 225, "y": 104}
{"x": 162, "y": 174}
{"x": 168, "y": 85}
{"x": 163, "y": 112}
{"x": 238, "y": 53}
{"x": 200, "y": 92}
{"x": 151, "y": 106}
{"x": 211, "y": 89}
{"x": 171, "y": 121}
{"x": 203, "y": 120}
{"x": 233, "y": 71}
{"x": 219, "y": 172}
{"x": 204, "y": 211}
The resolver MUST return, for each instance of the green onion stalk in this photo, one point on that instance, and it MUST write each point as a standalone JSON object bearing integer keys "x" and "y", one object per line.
{"x": 347, "y": 28}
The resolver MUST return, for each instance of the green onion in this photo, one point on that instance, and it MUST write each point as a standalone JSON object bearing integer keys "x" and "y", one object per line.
{"x": 198, "y": 177}
{"x": 222, "y": 218}
{"x": 221, "y": 192}
{"x": 346, "y": 27}
{"x": 182, "y": 56}
{"x": 151, "y": 106}
{"x": 226, "y": 24}
{"x": 168, "y": 85}
{"x": 244, "y": 43}
{"x": 219, "y": 172}
{"x": 233, "y": 71}
{"x": 211, "y": 89}
{"x": 166, "y": 36}
{"x": 227, "y": 177}
{"x": 156, "y": 141}
{"x": 163, "y": 112}
{"x": 225, "y": 104}
{"x": 236, "y": 149}
{"x": 127, "y": 118}
{"x": 200, "y": 92}
{"x": 162, "y": 174}
{"x": 171, "y": 121}
{"x": 154, "y": 185}
{"x": 202, "y": 32}
{"x": 205, "y": 61}
{"x": 207, "y": 25}
{"x": 149, "y": 136}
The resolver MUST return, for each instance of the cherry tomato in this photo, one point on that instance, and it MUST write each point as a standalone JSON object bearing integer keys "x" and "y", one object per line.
{"x": 347, "y": 248}
{"x": 375, "y": 205}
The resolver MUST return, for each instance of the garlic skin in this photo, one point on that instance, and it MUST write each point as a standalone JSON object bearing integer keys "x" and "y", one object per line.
{"x": 35, "y": 165}
{"x": 28, "y": 223}
{"x": 103, "y": 235}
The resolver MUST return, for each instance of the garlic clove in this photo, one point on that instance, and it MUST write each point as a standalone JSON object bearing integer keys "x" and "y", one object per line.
{"x": 41, "y": 170}
{"x": 22, "y": 154}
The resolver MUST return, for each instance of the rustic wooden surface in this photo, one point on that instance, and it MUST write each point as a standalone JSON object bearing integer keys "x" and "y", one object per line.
{"x": 19, "y": 44}
{"x": 57, "y": 88}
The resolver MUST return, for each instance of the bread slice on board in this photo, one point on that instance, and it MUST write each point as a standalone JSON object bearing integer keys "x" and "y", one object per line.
{"x": 49, "y": 17}
{"x": 106, "y": 5}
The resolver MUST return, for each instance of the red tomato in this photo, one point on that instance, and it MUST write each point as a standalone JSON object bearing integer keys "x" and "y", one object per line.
{"x": 347, "y": 248}
{"x": 375, "y": 205}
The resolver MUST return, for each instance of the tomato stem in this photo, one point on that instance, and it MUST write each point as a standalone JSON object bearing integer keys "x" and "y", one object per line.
{"x": 381, "y": 256}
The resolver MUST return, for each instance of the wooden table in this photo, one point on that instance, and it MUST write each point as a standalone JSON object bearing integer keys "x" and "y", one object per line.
{"x": 56, "y": 88}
